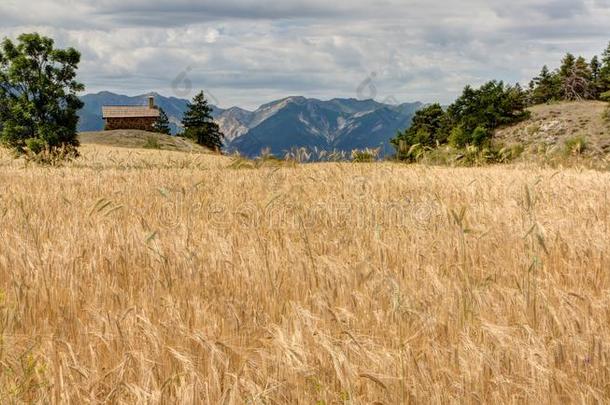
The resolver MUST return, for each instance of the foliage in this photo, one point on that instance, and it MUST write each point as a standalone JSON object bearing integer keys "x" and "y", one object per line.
{"x": 576, "y": 145}
{"x": 574, "y": 80}
{"x": 161, "y": 125}
{"x": 604, "y": 72}
{"x": 545, "y": 87}
{"x": 480, "y": 136}
{"x": 200, "y": 126}
{"x": 470, "y": 120}
{"x": 365, "y": 155}
{"x": 596, "y": 84}
{"x": 38, "y": 95}
{"x": 491, "y": 106}
{"x": 152, "y": 143}
{"x": 458, "y": 137}
{"x": 470, "y": 155}
{"x": 428, "y": 129}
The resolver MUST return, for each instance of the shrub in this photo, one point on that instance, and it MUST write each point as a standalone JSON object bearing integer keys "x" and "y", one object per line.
{"x": 365, "y": 156}
{"x": 152, "y": 143}
{"x": 606, "y": 115}
{"x": 35, "y": 145}
{"x": 575, "y": 145}
{"x": 38, "y": 152}
{"x": 458, "y": 137}
{"x": 480, "y": 136}
{"x": 513, "y": 151}
{"x": 605, "y": 96}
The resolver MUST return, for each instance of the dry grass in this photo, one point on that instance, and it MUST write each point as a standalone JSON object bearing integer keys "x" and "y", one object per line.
{"x": 160, "y": 277}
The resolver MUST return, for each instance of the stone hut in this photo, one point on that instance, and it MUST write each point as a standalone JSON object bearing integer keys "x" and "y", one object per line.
{"x": 131, "y": 117}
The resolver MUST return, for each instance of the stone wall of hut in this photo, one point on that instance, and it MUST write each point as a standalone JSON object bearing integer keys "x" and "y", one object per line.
{"x": 141, "y": 123}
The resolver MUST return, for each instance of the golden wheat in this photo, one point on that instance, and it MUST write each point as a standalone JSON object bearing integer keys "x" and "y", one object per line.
{"x": 133, "y": 276}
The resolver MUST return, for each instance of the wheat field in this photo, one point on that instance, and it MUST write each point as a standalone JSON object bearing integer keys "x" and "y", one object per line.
{"x": 133, "y": 276}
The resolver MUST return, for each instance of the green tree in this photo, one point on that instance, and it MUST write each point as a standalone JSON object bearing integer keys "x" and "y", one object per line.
{"x": 545, "y": 87}
{"x": 596, "y": 85}
{"x": 199, "y": 124}
{"x": 38, "y": 91}
{"x": 427, "y": 129}
{"x": 162, "y": 124}
{"x": 491, "y": 106}
{"x": 604, "y": 71}
{"x": 470, "y": 120}
{"x": 458, "y": 138}
{"x": 575, "y": 76}
{"x": 567, "y": 65}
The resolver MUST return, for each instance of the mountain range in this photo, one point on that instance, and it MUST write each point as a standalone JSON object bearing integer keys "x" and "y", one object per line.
{"x": 279, "y": 126}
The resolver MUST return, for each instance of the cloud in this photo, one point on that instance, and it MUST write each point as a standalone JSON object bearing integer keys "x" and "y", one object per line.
{"x": 248, "y": 52}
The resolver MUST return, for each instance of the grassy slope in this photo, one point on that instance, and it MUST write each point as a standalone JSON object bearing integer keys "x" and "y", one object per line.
{"x": 551, "y": 125}
{"x": 139, "y": 139}
{"x": 140, "y": 276}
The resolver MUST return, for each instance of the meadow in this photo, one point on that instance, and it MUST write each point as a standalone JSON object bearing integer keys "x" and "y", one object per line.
{"x": 145, "y": 276}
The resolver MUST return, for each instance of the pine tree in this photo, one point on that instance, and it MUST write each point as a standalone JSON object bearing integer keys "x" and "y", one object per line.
{"x": 596, "y": 85}
{"x": 575, "y": 76}
{"x": 199, "y": 124}
{"x": 546, "y": 87}
{"x": 604, "y": 71}
{"x": 162, "y": 124}
{"x": 567, "y": 65}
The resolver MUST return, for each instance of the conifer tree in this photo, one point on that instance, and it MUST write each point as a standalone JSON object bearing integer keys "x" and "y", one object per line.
{"x": 162, "y": 124}
{"x": 604, "y": 71}
{"x": 575, "y": 76}
{"x": 200, "y": 126}
{"x": 546, "y": 87}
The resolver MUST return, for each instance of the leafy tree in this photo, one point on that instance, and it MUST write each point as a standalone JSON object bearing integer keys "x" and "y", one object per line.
{"x": 162, "y": 124}
{"x": 38, "y": 92}
{"x": 199, "y": 124}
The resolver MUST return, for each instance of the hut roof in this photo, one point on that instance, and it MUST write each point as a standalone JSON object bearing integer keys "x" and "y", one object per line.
{"x": 124, "y": 111}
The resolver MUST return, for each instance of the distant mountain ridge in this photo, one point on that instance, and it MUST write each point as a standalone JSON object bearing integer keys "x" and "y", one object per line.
{"x": 279, "y": 126}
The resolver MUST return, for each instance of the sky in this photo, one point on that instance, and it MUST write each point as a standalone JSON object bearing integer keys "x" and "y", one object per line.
{"x": 249, "y": 52}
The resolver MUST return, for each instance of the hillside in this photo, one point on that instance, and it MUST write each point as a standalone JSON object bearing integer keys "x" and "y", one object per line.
{"x": 139, "y": 139}
{"x": 551, "y": 125}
